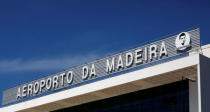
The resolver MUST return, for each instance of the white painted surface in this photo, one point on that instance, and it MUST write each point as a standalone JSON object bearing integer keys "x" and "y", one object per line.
{"x": 193, "y": 96}
{"x": 204, "y": 84}
{"x": 106, "y": 83}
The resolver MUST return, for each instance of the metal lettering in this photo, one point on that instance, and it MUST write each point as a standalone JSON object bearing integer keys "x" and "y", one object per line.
{"x": 62, "y": 75}
{"x": 92, "y": 71}
{"x": 55, "y": 82}
{"x": 85, "y": 72}
{"x": 120, "y": 62}
{"x": 30, "y": 89}
{"x": 36, "y": 87}
{"x": 163, "y": 50}
{"x": 69, "y": 77}
{"x": 42, "y": 85}
{"x": 18, "y": 93}
{"x": 110, "y": 68}
{"x": 153, "y": 51}
{"x": 138, "y": 54}
{"x": 49, "y": 83}
{"x": 128, "y": 59}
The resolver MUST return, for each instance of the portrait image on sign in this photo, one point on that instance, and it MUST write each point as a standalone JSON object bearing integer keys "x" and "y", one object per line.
{"x": 182, "y": 41}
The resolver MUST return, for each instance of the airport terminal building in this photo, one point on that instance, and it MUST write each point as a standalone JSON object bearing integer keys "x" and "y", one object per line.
{"x": 168, "y": 75}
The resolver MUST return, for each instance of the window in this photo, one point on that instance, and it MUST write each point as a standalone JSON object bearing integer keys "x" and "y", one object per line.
{"x": 172, "y": 97}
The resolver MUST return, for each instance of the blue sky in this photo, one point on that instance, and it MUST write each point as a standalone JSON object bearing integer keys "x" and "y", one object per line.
{"x": 39, "y": 38}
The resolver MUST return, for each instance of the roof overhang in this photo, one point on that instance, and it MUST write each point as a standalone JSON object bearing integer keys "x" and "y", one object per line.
{"x": 156, "y": 75}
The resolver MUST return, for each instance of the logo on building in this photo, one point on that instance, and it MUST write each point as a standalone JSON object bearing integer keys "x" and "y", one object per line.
{"x": 182, "y": 41}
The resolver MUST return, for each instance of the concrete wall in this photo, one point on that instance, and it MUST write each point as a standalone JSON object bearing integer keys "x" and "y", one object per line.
{"x": 193, "y": 96}
{"x": 204, "y": 76}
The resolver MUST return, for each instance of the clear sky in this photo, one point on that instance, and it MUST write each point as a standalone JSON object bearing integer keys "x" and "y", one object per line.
{"x": 39, "y": 38}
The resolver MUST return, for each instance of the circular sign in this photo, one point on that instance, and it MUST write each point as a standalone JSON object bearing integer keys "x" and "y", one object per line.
{"x": 182, "y": 41}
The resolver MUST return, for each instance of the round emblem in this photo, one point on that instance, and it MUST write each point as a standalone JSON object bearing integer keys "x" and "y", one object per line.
{"x": 182, "y": 41}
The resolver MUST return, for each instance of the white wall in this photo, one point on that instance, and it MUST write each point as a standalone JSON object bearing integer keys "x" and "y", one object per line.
{"x": 204, "y": 84}
{"x": 193, "y": 96}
